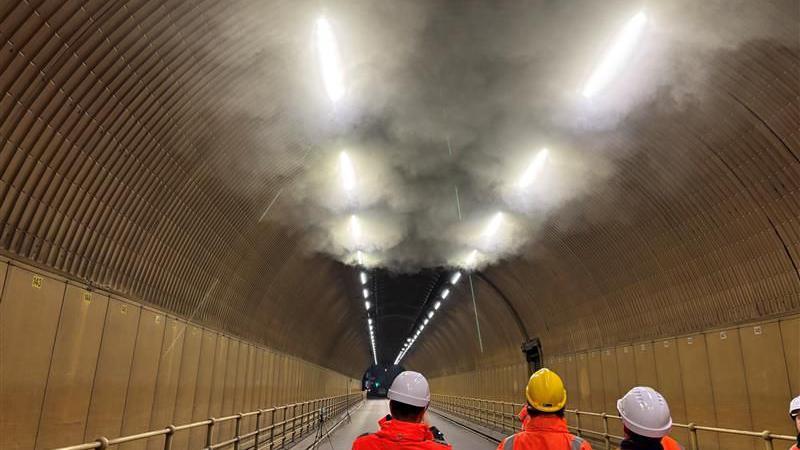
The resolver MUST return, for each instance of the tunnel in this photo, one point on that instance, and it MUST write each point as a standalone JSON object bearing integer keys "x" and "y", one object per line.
{"x": 232, "y": 224}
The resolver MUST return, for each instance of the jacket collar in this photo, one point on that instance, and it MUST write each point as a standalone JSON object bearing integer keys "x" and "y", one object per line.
{"x": 397, "y": 430}
{"x": 549, "y": 422}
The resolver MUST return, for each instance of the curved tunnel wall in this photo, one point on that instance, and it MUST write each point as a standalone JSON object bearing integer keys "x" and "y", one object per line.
{"x": 116, "y": 167}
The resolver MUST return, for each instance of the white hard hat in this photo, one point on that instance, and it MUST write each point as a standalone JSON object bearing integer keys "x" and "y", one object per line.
{"x": 410, "y": 388}
{"x": 645, "y": 412}
{"x": 794, "y": 407}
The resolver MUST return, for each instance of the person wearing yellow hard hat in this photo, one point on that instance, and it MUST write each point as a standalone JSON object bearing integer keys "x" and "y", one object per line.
{"x": 544, "y": 426}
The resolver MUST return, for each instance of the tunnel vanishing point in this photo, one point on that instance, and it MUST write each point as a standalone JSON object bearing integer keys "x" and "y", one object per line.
{"x": 253, "y": 211}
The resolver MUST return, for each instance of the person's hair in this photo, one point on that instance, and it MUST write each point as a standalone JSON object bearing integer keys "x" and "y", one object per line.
{"x": 405, "y": 412}
{"x": 535, "y": 412}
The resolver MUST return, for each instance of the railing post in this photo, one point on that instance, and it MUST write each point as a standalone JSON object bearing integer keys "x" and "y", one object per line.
{"x": 578, "y": 422}
{"x": 605, "y": 431}
{"x": 767, "y": 436}
{"x": 103, "y": 442}
{"x": 258, "y": 429}
{"x": 693, "y": 436}
{"x": 210, "y": 433}
{"x": 237, "y": 431}
{"x": 272, "y": 429}
{"x": 168, "y": 437}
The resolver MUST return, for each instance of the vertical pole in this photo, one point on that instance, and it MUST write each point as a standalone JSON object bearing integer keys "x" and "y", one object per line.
{"x": 272, "y": 429}
{"x": 210, "y": 433}
{"x": 578, "y": 422}
{"x": 258, "y": 429}
{"x": 168, "y": 437}
{"x": 605, "y": 432}
{"x": 693, "y": 436}
{"x": 237, "y": 431}
{"x": 767, "y": 436}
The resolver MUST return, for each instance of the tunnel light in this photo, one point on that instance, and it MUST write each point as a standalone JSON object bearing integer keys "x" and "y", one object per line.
{"x": 408, "y": 339}
{"x": 473, "y": 256}
{"x": 619, "y": 52}
{"x": 355, "y": 229}
{"x": 329, "y": 61}
{"x": 437, "y": 305}
{"x": 454, "y": 279}
{"x": 533, "y": 170}
{"x": 367, "y": 305}
{"x": 425, "y": 322}
{"x": 360, "y": 258}
{"x": 430, "y": 314}
{"x": 369, "y": 321}
{"x": 421, "y": 327}
{"x": 494, "y": 225}
{"x": 363, "y": 277}
{"x": 365, "y": 292}
{"x": 445, "y": 293}
{"x": 346, "y": 171}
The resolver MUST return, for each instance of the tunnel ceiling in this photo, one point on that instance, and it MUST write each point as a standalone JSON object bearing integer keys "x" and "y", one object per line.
{"x": 177, "y": 153}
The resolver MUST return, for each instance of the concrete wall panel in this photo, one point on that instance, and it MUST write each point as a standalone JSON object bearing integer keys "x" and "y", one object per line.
{"x": 72, "y": 371}
{"x": 187, "y": 383}
{"x": 668, "y": 371}
{"x": 144, "y": 374}
{"x": 29, "y": 315}
{"x": 790, "y": 335}
{"x": 696, "y": 383}
{"x": 113, "y": 370}
{"x": 626, "y": 368}
{"x": 169, "y": 367}
{"x": 201, "y": 408}
{"x": 766, "y": 376}
{"x": 729, "y": 385}
{"x": 645, "y": 365}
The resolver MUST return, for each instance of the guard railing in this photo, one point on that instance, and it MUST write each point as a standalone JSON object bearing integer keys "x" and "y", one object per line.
{"x": 274, "y": 428}
{"x": 503, "y": 417}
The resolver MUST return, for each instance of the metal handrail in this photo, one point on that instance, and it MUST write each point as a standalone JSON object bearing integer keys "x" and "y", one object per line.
{"x": 502, "y": 416}
{"x": 294, "y": 425}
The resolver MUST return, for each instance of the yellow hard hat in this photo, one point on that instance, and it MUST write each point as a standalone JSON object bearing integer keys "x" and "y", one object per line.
{"x": 545, "y": 391}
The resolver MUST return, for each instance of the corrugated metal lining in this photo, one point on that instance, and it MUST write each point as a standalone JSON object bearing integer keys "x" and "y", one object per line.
{"x": 698, "y": 228}
{"x": 110, "y": 171}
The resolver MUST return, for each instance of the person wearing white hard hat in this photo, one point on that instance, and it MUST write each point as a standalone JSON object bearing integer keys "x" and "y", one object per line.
{"x": 404, "y": 428}
{"x": 646, "y": 420}
{"x": 794, "y": 413}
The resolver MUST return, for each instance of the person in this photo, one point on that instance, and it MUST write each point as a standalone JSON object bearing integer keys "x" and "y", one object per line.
{"x": 794, "y": 413}
{"x": 544, "y": 426}
{"x": 646, "y": 420}
{"x": 404, "y": 428}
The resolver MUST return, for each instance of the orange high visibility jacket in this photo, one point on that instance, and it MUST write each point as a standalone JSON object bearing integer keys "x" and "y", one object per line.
{"x": 399, "y": 435}
{"x": 547, "y": 432}
{"x": 670, "y": 444}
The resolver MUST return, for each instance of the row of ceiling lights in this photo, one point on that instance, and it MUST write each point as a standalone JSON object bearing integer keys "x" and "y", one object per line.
{"x": 333, "y": 80}
{"x": 443, "y": 294}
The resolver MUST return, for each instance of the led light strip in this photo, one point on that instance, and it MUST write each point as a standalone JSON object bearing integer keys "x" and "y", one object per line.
{"x": 443, "y": 294}
{"x": 363, "y": 277}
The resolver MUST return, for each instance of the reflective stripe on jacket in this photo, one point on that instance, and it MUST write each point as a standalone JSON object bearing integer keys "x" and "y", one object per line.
{"x": 548, "y": 432}
{"x": 399, "y": 435}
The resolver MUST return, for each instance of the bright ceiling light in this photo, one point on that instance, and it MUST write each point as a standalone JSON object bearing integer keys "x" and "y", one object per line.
{"x": 494, "y": 225}
{"x": 360, "y": 258}
{"x": 329, "y": 61}
{"x": 454, "y": 279}
{"x": 425, "y": 322}
{"x": 355, "y": 229}
{"x": 367, "y": 305}
{"x": 445, "y": 293}
{"x": 369, "y": 321}
{"x": 347, "y": 172}
{"x": 473, "y": 256}
{"x": 430, "y": 314}
{"x": 408, "y": 339}
{"x": 533, "y": 170}
{"x": 437, "y": 305}
{"x": 365, "y": 291}
{"x": 363, "y": 277}
{"x": 619, "y": 52}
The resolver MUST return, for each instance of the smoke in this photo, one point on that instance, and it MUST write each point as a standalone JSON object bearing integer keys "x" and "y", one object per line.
{"x": 448, "y": 103}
